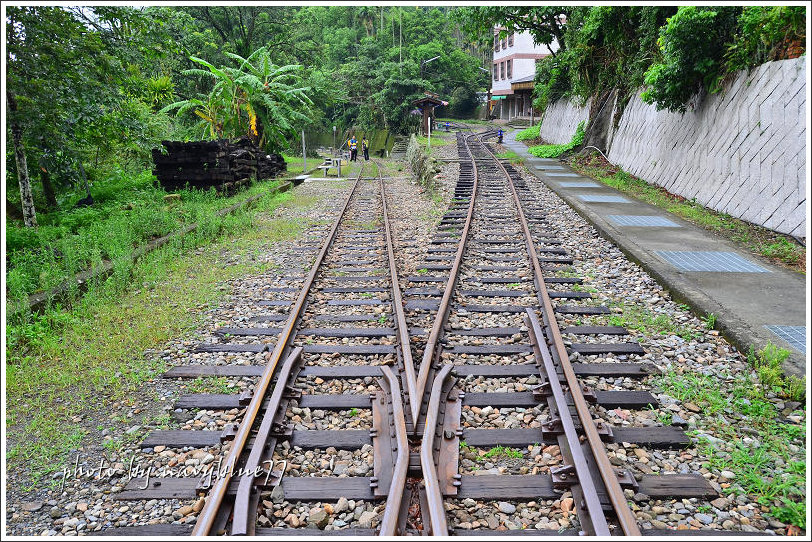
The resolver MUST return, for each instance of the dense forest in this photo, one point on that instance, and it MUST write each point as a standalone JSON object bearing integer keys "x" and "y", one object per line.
{"x": 77, "y": 119}
{"x": 92, "y": 90}
{"x": 674, "y": 52}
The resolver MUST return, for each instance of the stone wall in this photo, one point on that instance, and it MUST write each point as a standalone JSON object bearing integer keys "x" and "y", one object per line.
{"x": 740, "y": 152}
{"x": 423, "y": 166}
{"x": 560, "y": 121}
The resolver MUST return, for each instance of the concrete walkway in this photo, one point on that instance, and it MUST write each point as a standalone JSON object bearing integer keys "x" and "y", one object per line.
{"x": 755, "y": 302}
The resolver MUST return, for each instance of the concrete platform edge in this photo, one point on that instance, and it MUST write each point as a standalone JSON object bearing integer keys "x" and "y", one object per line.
{"x": 735, "y": 330}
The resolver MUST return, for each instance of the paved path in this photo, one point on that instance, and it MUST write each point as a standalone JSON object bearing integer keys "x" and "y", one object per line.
{"x": 755, "y": 302}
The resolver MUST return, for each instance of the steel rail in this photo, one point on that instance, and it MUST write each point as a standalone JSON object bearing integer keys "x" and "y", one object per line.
{"x": 592, "y": 501}
{"x": 207, "y": 515}
{"x": 437, "y": 517}
{"x": 391, "y": 514}
{"x": 442, "y": 311}
{"x": 626, "y": 518}
{"x": 397, "y": 304}
{"x": 244, "y": 520}
{"x": 389, "y": 522}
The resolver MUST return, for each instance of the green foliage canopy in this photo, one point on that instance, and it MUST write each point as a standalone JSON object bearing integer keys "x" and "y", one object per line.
{"x": 258, "y": 99}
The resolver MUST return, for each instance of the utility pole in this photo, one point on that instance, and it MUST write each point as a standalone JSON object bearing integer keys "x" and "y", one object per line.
{"x": 304, "y": 153}
{"x": 400, "y": 32}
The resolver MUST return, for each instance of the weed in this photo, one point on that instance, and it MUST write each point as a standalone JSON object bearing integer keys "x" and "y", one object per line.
{"x": 710, "y": 321}
{"x": 767, "y": 363}
{"x": 89, "y": 354}
{"x": 217, "y": 384}
{"x": 762, "y": 464}
{"x": 163, "y": 421}
{"x": 662, "y": 416}
{"x": 511, "y": 156}
{"x": 529, "y": 133}
{"x": 422, "y": 271}
{"x": 694, "y": 387}
{"x": 554, "y": 151}
{"x": 501, "y": 452}
{"x": 353, "y": 412}
{"x": 640, "y": 318}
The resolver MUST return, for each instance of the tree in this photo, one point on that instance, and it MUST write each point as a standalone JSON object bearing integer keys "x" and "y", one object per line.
{"x": 545, "y": 24}
{"x": 242, "y": 29}
{"x": 28, "y": 211}
{"x": 257, "y": 99}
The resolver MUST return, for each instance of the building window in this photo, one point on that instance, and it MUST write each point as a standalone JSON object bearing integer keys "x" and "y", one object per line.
{"x": 509, "y": 69}
{"x": 502, "y": 43}
{"x": 496, "y": 43}
{"x": 501, "y": 70}
{"x": 510, "y": 40}
{"x": 495, "y": 71}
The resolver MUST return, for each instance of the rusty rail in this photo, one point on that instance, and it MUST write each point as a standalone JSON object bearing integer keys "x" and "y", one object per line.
{"x": 399, "y": 316}
{"x": 445, "y": 301}
{"x": 243, "y": 521}
{"x": 592, "y": 503}
{"x": 205, "y": 519}
{"x": 439, "y": 522}
{"x": 626, "y": 518}
{"x": 389, "y": 522}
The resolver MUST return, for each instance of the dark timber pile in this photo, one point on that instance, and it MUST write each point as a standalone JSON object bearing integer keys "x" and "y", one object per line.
{"x": 223, "y": 164}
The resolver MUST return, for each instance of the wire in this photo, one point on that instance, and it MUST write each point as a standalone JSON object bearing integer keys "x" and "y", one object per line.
{"x": 597, "y": 149}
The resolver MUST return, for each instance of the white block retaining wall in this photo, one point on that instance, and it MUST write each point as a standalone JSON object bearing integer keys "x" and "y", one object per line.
{"x": 741, "y": 152}
{"x": 561, "y": 119}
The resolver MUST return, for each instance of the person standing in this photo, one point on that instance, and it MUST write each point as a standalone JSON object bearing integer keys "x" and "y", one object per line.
{"x": 365, "y": 148}
{"x": 353, "y": 146}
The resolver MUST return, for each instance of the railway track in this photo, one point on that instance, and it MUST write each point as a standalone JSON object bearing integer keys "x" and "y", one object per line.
{"x": 448, "y": 408}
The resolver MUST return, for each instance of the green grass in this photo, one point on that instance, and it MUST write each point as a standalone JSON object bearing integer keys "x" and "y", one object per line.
{"x": 502, "y": 452}
{"x": 531, "y": 132}
{"x": 217, "y": 384}
{"x": 128, "y": 212}
{"x": 758, "y": 240}
{"x": 554, "y": 151}
{"x": 497, "y": 452}
{"x": 647, "y": 322}
{"x": 767, "y": 363}
{"x": 296, "y": 163}
{"x": 66, "y": 362}
{"x": 763, "y": 464}
{"x": 710, "y": 321}
{"x": 436, "y": 140}
{"x": 697, "y": 388}
{"x": 512, "y": 156}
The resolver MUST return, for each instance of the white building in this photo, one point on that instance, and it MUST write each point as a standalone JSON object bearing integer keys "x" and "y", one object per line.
{"x": 512, "y": 74}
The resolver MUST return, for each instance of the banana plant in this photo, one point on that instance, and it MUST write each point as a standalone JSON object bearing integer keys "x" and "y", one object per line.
{"x": 257, "y": 99}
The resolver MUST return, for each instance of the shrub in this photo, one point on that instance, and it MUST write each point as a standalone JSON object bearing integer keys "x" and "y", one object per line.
{"x": 765, "y": 34}
{"x": 529, "y": 133}
{"x": 693, "y": 46}
{"x": 554, "y": 151}
{"x": 552, "y": 80}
